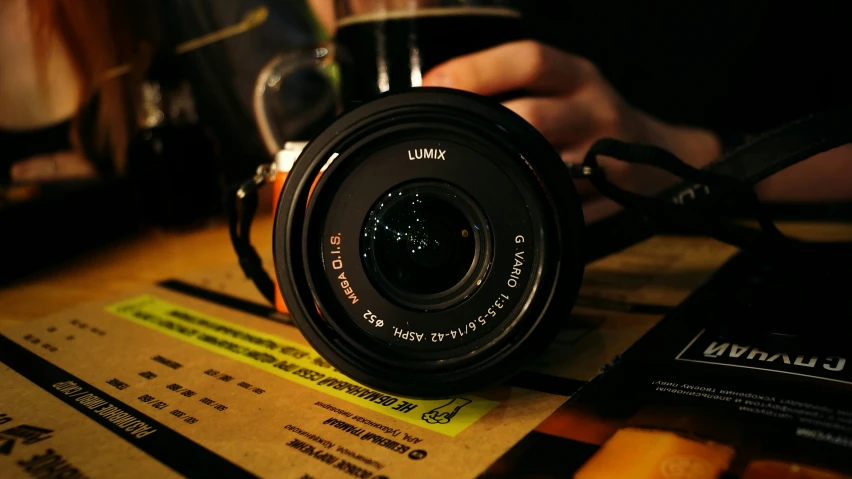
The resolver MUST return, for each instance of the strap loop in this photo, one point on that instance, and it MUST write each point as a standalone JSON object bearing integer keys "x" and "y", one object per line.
{"x": 239, "y": 226}
{"x": 704, "y": 203}
{"x": 710, "y": 200}
{"x": 694, "y": 209}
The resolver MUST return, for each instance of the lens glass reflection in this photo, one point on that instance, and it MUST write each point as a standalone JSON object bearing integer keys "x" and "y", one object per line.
{"x": 419, "y": 241}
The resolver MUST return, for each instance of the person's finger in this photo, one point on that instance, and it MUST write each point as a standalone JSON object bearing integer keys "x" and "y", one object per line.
{"x": 585, "y": 189}
{"x": 599, "y": 208}
{"x": 72, "y": 164}
{"x": 564, "y": 122}
{"x": 524, "y": 65}
{"x": 38, "y": 168}
{"x": 54, "y": 166}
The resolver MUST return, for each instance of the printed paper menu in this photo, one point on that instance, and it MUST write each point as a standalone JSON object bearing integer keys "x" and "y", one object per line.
{"x": 184, "y": 379}
{"x": 749, "y": 379}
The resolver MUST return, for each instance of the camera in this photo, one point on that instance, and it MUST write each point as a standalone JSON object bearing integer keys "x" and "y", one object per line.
{"x": 429, "y": 242}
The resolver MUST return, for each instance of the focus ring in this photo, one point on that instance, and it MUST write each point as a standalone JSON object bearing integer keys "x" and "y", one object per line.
{"x": 560, "y": 225}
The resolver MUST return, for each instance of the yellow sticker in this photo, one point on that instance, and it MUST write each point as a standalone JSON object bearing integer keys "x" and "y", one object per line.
{"x": 298, "y": 363}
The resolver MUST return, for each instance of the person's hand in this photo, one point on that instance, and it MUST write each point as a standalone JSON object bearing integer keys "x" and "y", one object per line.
{"x": 572, "y": 105}
{"x": 65, "y": 165}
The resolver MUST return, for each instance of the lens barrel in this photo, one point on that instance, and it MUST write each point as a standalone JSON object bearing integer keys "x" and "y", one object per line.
{"x": 428, "y": 243}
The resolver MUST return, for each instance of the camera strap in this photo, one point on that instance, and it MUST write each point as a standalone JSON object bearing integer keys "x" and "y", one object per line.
{"x": 711, "y": 201}
{"x": 714, "y": 200}
{"x": 241, "y": 205}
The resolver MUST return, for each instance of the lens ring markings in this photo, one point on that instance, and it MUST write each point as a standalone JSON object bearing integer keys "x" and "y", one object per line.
{"x": 555, "y": 219}
{"x": 495, "y": 298}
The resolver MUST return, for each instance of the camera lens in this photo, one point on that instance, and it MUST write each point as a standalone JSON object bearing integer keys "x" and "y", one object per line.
{"x": 424, "y": 245}
{"x": 428, "y": 243}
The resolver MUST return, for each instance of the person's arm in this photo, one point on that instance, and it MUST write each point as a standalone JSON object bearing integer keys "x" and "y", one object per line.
{"x": 573, "y": 105}
{"x": 38, "y": 89}
{"x": 826, "y": 177}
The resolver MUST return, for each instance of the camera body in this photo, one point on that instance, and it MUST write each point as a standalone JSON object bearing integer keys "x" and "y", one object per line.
{"x": 428, "y": 242}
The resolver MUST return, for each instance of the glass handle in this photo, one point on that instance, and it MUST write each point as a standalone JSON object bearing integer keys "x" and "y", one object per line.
{"x": 293, "y": 93}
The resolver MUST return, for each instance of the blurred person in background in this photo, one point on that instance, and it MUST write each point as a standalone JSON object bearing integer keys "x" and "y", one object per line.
{"x": 61, "y": 117}
{"x": 70, "y": 121}
{"x": 65, "y": 123}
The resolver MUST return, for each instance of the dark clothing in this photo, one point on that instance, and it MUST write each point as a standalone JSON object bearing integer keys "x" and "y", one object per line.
{"x": 224, "y": 73}
{"x": 16, "y": 145}
{"x": 20, "y": 144}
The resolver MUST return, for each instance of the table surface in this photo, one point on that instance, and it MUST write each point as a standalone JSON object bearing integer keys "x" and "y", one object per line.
{"x": 662, "y": 270}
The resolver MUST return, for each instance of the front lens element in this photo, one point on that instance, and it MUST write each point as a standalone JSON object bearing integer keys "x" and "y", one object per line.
{"x": 423, "y": 244}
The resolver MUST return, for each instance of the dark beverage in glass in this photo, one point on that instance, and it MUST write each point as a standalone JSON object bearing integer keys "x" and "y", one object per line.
{"x": 391, "y": 51}
{"x": 379, "y": 46}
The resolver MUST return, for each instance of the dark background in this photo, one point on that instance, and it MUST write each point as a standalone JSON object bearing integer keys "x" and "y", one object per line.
{"x": 734, "y": 65}
{"x": 738, "y": 67}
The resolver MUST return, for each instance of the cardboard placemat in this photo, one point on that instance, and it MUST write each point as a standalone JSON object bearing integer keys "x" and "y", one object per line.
{"x": 196, "y": 377}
